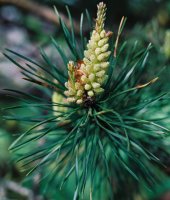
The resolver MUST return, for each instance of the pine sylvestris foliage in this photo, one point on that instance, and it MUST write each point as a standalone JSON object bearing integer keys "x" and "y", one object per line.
{"x": 94, "y": 118}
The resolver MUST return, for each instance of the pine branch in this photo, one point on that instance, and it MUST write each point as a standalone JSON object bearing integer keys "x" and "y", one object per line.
{"x": 42, "y": 11}
{"x": 101, "y": 131}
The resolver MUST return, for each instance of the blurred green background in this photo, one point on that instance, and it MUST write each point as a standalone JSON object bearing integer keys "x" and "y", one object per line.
{"x": 26, "y": 25}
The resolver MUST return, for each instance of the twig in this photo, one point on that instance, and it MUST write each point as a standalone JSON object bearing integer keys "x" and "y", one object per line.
{"x": 40, "y": 10}
{"x": 19, "y": 189}
{"x": 15, "y": 187}
{"x": 2, "y": 192}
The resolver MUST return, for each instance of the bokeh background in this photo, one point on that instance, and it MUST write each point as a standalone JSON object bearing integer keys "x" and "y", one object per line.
{"x": 26, "y": 25}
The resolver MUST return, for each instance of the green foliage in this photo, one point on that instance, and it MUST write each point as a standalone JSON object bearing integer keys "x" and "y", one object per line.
{"x": 102, "y": 146}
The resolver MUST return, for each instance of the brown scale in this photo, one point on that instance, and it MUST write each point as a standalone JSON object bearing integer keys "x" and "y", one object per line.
{"x": 109, "y": 34}
{"x": 77, "y": 72}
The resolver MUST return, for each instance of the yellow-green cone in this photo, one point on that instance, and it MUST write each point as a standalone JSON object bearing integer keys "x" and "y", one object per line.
{"x": 74, "y": 87}
{"x": 166, "y": 47}
{"x": 87, "y": 79}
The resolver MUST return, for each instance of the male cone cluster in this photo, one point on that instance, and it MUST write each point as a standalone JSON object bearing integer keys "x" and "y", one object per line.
{"x": 87, "y": 77}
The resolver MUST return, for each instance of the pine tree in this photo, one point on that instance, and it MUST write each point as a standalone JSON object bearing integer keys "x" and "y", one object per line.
{"x": 98, "y": 119}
